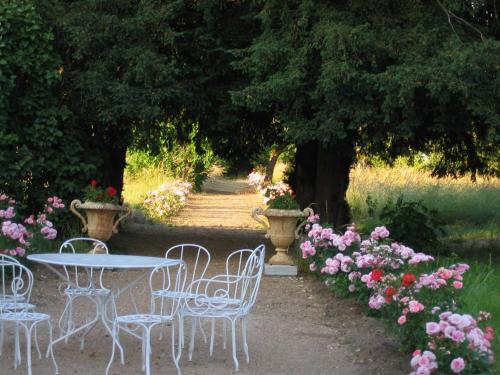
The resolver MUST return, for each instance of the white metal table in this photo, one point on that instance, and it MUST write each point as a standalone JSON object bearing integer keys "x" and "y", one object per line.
{"x": 99, "y": 261}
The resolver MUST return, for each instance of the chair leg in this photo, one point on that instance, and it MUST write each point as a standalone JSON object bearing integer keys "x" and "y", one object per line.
{"x": 113, "y": 349}
{"x": 36, "y": 343}
{"x": 148, "y": 350}
{"x": 245, "y": 342}
{"x": 17, "y": 349}
{"x": 50, "y": 348}
{"x": 1, "y": 336}
{"x": 233, "y": 337}
{"x": 191, "y": 343}
{"x": 180, "y": 338}
{"x": 175, "y": 357}
{"x": 181, "y": 330}
{"x": 143, "y": 347}
{"x": 212, "y": 334}
{"x": 28, "y": 348}
{"x": 202, "y": 330}
{"x": 224, "y": 334}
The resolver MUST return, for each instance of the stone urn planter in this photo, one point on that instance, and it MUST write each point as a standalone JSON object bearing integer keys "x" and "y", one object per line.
{"x": 101, "y": 219}
{"x": 282, "y": 230}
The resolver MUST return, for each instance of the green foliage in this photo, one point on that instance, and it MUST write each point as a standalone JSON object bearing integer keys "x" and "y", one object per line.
{"x": 40, "y": 151}
{"x": 189, "y": 160}
{"x": 413, "y": 223}
{"x": 284, "y": 202}
{"x": 380, "y": 78}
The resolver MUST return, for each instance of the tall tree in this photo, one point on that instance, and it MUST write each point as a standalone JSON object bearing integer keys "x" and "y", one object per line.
{"x": 40, "y": 151}
{"x": 384, "y": 77}
{"x": 125, "y": 71}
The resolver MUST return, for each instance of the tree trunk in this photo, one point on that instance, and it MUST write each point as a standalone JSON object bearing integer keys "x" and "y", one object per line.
{"x": 332, "y": 180}
{"x": 303, "y": 179}
{"x": 273, "y": 158}
{"x": 114, "y": 167}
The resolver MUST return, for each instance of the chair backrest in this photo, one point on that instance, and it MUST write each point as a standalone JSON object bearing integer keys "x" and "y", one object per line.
{"x": 228, "y": 293}
{"x": 5, "y": 272}
{"x": 17, "y": 282}
{"x": 196, "y": 257}
{"x": 251, "y": 277}
{"x": 76, "y": 276}
{"x": 168, "y": 277}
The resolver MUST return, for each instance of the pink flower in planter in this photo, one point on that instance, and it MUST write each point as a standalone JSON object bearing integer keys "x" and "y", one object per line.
{"x": 402, "y": 320}
{"x": 457, "y": 365}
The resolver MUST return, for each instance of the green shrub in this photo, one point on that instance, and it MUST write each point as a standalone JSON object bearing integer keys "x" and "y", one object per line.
{"x": 413, "y": 224}
{"x": 284, "y": 202}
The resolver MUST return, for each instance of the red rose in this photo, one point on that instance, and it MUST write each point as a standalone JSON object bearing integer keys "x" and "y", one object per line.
{"x": 376, "y": 274}
{"x": 389, "y": 292}
{"x": 93, "y": 183}
{"x": 111, "y": 191}
{"x": 408, "y": 279}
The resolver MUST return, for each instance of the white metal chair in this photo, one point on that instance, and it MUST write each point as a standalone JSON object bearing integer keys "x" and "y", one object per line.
{"x": 21, "y": 284}
{"x": 227, "y": 297}
{"x": 197, "y": 259}
{"x": 173, "y": 278}
{"x": 9, "y": 302}
{"x": 87, "y": 283}
{"x": 235, "y": 265}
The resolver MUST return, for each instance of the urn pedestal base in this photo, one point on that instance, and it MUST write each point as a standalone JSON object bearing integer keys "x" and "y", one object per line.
{"x": 280, "y": 270}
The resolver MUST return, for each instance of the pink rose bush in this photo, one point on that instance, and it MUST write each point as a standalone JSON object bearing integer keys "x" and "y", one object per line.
{"x": 399, "y": 285}
{"x": 167, "y": 200}
{"x": 20, "y": 235}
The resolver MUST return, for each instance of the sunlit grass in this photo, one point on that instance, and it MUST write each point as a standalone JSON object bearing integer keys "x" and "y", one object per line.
{"x": 470, "y": 210}
{"x": 480, "y": 293}
{"x": 136, "y": 186}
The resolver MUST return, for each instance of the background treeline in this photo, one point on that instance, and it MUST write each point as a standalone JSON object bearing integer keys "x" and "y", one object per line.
{"x": 83, "y": 81}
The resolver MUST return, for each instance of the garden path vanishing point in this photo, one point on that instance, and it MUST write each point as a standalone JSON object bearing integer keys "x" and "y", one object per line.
{"x": 296, "y": 326}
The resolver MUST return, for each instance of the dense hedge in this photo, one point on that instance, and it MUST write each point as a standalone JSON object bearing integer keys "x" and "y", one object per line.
{"x": 41, "y": 153}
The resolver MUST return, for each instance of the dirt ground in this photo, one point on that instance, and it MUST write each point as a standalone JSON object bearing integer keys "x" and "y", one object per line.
{"x": 296, "y": 326}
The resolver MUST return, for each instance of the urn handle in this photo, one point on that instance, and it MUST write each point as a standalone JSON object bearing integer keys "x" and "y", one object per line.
{"x": 73, "y": 207}
{"x": 256, "y": 212}
{"x": 122, "y": 215}
{"x": 308, "y": 211}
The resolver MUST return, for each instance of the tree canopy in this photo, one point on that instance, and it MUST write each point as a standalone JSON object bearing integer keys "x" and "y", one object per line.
{"x": 337, "y": 79}
{"x": 384, "y": 77}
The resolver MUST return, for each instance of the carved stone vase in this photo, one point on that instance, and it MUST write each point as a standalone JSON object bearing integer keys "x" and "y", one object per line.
{"x": 101, "y": 219}
{"x": 282, "y": 228}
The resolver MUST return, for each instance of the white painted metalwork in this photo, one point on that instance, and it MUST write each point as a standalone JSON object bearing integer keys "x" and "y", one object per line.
{"x": 229, "y": 297}
{"x": 21, "y": 284}
{"x": 9, "y": 302}
{"x": 99, "y": 261}
{"x": 4, "y": 262}
{"x": 197, "y": 259}
{"x": 84, "y": 283}
{"x": 172, "y": 278}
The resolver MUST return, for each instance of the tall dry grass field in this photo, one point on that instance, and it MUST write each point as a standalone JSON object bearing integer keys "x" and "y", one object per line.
{"x": 470, "y": 210}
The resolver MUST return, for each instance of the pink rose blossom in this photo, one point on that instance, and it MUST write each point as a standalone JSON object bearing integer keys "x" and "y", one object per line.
{"x": 457, "y": 365}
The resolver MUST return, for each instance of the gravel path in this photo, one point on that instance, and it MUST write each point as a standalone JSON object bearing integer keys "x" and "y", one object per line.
{"x": 296, "y": 326}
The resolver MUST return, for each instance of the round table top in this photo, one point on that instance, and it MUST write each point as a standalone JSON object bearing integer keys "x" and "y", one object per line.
{"x": 102, "y": 260}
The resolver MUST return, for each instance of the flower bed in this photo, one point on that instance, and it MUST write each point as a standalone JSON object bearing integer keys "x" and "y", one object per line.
{"x": 167, "y": 200}
{"x": 422, "y": 307}
{"x": 21, "y": 235}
